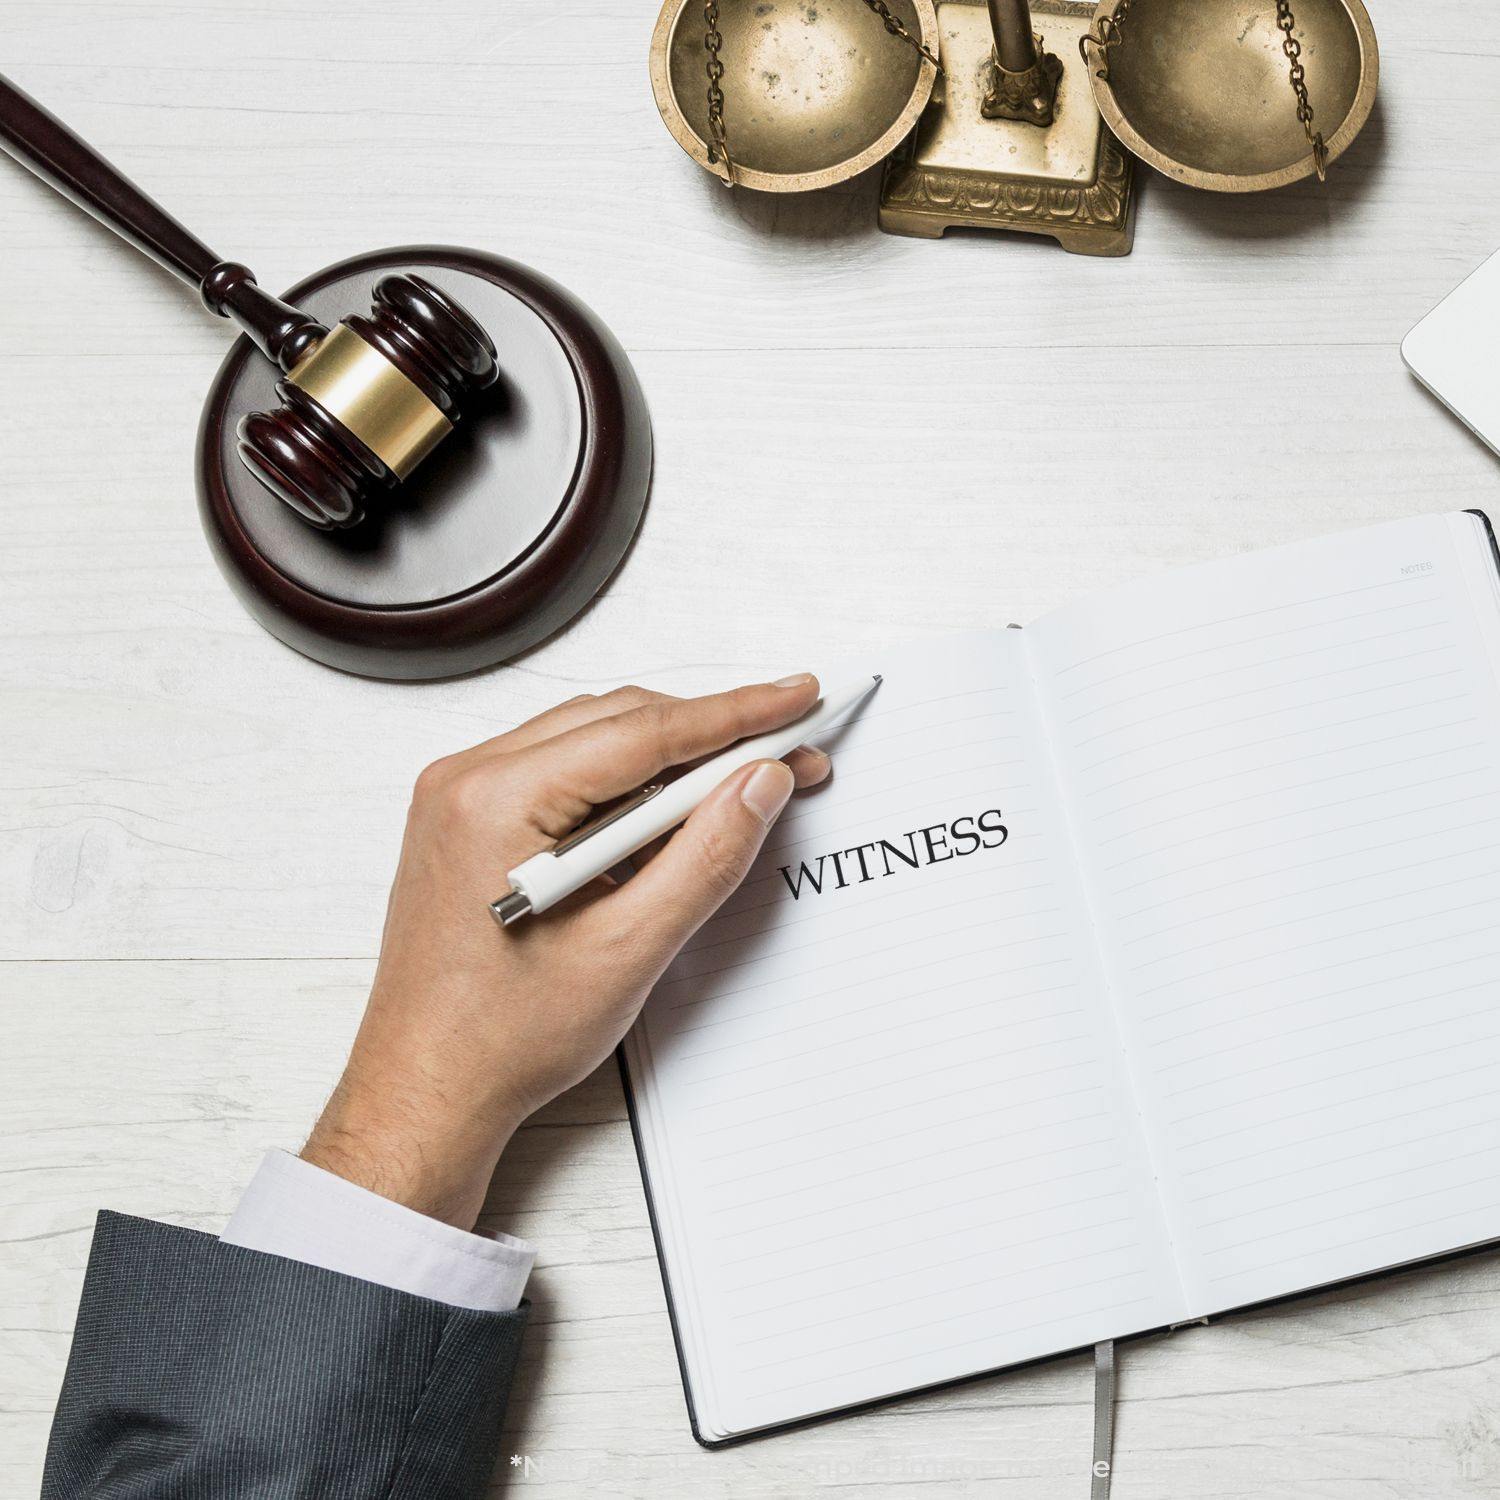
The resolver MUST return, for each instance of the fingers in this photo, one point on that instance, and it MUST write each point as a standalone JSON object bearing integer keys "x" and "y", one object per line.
{"x": 704, "y": 861}
{"x": 598, "y": 761}
{"x": 584, "y": 709}
{"x": 808, "y": 767}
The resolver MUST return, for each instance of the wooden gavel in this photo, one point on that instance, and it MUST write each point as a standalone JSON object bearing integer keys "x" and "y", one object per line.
{"x": 362, "y": 404}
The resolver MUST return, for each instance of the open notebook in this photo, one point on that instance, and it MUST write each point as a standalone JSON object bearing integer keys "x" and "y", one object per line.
{"x": 1135, "y": 966}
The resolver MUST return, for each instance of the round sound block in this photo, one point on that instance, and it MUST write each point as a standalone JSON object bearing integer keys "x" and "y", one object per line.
{"x": 501, "y": 537}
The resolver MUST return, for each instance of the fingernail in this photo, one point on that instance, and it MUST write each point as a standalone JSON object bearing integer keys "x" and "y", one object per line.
{"x": 766, "y": 791}
{"x": 797, "y": 679}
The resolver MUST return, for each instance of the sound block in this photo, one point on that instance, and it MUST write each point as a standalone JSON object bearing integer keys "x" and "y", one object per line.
{"x": 499, "y": 539}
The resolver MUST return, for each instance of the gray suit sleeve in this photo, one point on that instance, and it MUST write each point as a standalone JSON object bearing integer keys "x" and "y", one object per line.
{"x": 205, "y": 1370}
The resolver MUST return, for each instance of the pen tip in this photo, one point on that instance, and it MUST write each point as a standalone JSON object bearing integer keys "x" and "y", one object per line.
{"x": 876, "y": 678}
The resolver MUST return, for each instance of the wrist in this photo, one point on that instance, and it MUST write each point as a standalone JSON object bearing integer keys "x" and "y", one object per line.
{"x": 384, "y": 1136}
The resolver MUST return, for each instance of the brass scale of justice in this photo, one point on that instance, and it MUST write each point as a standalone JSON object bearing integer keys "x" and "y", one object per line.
{"x": 981, "y": 124}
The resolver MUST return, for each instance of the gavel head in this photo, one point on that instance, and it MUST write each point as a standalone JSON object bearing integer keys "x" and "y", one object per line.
{"x": 366, "y": 402}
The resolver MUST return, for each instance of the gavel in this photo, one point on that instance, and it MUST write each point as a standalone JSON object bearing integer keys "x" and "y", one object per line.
{"x": 362, "y": 404}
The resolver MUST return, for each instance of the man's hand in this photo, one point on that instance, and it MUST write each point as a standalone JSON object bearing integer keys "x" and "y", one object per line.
{"x": 469, "y": 1029}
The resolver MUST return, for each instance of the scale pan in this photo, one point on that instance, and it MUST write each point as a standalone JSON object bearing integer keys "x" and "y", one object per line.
{"x": 815, "y": 91}
{"x": 1201, "y": 90}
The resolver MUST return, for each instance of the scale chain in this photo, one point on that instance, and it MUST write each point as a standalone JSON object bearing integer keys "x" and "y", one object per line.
{"x": 713, "y": 41}
{"x": 1107, "y": 34}
{"x": 1293, "y": 49}
{"x": 894, "y": 26}
{"x": 719, "y": 145}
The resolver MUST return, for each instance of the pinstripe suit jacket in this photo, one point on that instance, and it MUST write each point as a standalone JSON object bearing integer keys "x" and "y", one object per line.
{"x": 205, "y": 1370}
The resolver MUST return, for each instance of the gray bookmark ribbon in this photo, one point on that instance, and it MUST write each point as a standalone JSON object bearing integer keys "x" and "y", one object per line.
{"x": 1104, "y": 1420}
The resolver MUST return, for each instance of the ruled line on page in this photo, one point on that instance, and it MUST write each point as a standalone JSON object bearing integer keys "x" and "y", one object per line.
{"x": 880, "y": 711}
{"x": 843, "y": 1261}
{"x": 1391, "y": 1175}
{"x": 1049, "y": 963}
{"x": 1301, "y": 838}
{"x": 1282, "y": 1032}
{"x": 1404, "y": 633}
{"x": 875, "y": 1114}
{"x": 884, "y": 1087}
{"x": 988, "y": 1253}
{"x": 1302, "y": 812}
{"x": 903, "y": 1000}
{"x": 942, "y": 1294}
{"x": 1215, "y": 1109}
{"x": 1383, "y": 845}
{"x": 1383, "y": 899}
{"x": 914, "y": 1020}
{"x": 1298, "y": 1226}
{"x": 1242, "y": 773}
{"x": 673, "y": 980}
{"x": 897, "y": 1332}
{"x": 965, "y": 1174}
{"x": 1325, "y": 995}
{"x": 887, "y": 1165}
{"x": 846, "y": 1123}
{"x": 1250, "y": 614}
{"x": 843, "y": 963}
{"x": 1298, "y": 786}
{"x": 1071, "y": 1316}
{"x": 856, "y": 753}
{"x": 767, "y": 1010}
{"x": 857, "y": 772}
{"x": 986, "y": 898}
{"x": 861, "y": 1064}
{"x": 852, "y": 769}
{"x": 1259, "y": 1125}
{"x": 1260, "y": 740}
{"x": 1260, "y": 984}
{"x": 1199, "y": 704}
{"x": 1421, "y": 680}
{"x": 993, "y": 767}
{"x": 953, "y": 1123}
{"x": 787, "y": 1248}
{"x": 1258, "y": 638}
{"x": 1359, "y": 1240}
{"x": 1261, "y": 929}
{"x": 1364, "y": 1039}
{"x": 1259, "y": 1154}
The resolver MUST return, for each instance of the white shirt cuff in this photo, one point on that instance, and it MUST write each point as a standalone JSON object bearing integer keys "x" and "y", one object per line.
{"x": 296, "y": 1210}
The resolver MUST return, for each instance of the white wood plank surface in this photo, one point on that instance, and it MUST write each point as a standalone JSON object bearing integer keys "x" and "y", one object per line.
{"x": 860, "y": 438}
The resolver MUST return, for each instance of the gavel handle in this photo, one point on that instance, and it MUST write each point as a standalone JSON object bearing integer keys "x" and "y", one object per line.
{"x": 41, "y": 142}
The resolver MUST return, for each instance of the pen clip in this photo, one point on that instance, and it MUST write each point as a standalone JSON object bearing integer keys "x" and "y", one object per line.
{"x": 618, "y": 811}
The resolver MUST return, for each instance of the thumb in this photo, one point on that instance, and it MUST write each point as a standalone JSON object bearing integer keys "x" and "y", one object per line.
{"x": 708, "y": 857}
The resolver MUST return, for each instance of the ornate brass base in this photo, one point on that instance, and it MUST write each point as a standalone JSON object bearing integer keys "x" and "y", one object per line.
{"x": 1030, "y": 96}
{"x": 1071, "y": 179}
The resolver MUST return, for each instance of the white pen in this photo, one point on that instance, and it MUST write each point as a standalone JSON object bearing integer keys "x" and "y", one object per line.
{"x": 596, "y": 847}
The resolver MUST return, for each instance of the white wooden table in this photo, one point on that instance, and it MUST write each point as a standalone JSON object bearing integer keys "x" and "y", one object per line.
{"x": 859, "y": 438}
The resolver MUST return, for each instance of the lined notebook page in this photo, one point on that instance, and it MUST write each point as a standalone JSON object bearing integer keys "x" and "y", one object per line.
{"x": 885, "y": 1129}
{"x": 1282, "y": 773}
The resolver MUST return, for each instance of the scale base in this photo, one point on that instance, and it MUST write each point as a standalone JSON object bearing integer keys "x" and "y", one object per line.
{"x": 1071, "y": 180}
